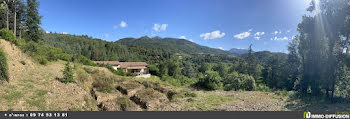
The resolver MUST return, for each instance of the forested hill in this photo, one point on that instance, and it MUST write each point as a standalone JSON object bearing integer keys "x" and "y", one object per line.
{"x": 128, "y": 49}
{"x": 174, "y": 45}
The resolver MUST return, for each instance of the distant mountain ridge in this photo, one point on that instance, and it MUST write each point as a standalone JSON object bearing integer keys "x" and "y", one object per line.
{"x": 174, "y": 45}
{"x": 238, "y": 51}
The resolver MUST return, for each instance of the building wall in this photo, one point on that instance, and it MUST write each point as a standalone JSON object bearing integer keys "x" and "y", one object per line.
{"x": 115, "y": 67}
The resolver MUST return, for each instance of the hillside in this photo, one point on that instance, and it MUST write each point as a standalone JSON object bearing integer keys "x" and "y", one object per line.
{"x": 174, "y": 45}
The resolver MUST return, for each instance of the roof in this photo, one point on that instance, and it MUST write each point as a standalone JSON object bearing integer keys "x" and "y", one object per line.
{"x": 113, "y": 63}
{"x": 132, "y": 64}
{"x": 125, "y": 65}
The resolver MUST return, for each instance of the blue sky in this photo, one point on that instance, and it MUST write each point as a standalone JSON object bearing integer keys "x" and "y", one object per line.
{"x": 225, "y": 24}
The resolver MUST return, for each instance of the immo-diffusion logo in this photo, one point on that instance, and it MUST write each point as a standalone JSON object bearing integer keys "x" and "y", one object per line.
{"x": 308, "y": 115}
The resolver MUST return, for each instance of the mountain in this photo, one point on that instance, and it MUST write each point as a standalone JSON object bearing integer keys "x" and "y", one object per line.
{"x": 173, "y": 45}
{"x": 238, "y": 51}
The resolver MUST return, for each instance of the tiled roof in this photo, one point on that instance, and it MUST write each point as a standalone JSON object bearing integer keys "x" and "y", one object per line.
{"x": 113, "y": 63}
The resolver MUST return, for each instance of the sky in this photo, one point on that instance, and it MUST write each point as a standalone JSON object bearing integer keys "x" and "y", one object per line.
{"x": 223, "y": 24}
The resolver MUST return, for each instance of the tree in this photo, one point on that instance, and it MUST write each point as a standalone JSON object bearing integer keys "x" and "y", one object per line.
{"x": 321, "y": 46}
{"x": 293, "y": 60}
{"x": 211, "y": 80}
{"x": 232, "y": 82}
{"x": 252, "y": 66}
{"x": 33, "y": 20}
{"x": 223, "y": 69}
{"x": 188, "y": 70}
{"x": 68, "y": 74}
{"x": 5, "y": 8}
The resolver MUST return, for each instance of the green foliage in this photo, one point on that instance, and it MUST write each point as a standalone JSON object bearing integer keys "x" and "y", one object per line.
{"x": 41, "y": 59}
{"x": 4, "y": 74}
{"x": 262, "y": 87}
{"x": 153, "y": 69}
{"x": 33, "y": 20}
{"x": 83, "y": 60}
{"x": 8, "y": 35}
{"x": 236, "y": 81}
{"x": 232, "y": 82}
{"x": 248, "y": 83}
{"x": 188, "y": 70}
{"x": 68, "y": 74}
{"x": 210, "y": 81}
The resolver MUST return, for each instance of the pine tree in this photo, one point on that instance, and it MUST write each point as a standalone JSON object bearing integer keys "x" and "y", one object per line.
{"x": 68, "y": 74}
{"x": 252, "y": 61}
{"x": 33, "y": 20}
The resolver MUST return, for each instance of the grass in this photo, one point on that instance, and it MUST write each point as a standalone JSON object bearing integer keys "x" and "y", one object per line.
{"x": 38, "y": 100}
{"x": 13, "y": 96}
{"x": 207, "y": 102}
{"x": 40, "y": 103}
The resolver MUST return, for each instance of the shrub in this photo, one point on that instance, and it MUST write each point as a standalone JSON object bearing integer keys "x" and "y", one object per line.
{"x": 42, "y": 60}
{"x": 68, "y": 74}
{"x": 82, "y": 59}
{"x": 262, "y": 87}
{"x": 4, "y": 75}
{"x": 232, "y": 82}
{"x": 210, "y": 81}
{"x": 248, "y": 82}
{"x": 8, "y": 35}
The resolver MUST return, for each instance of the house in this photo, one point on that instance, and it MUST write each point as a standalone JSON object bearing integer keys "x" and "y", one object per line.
{"x": 139, "y": 69}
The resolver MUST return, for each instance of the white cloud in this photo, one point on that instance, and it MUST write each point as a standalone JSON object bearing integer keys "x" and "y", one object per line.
{"x": 160, "y": 27}
{"x": 182, "y": 37}
{"x": 288, "y": 31}
{"x": 213, "y": 35}
{"x": 281, "y": 38}
{"x": 259, "y": 33}
{"x": 191, "y": 40}
{"x": 257, "y": 38}
{"x": 242, "y": 35}
{"x": 221, "y": 48}
{"x": 47, "y": 32}
{"x": 277, "y": 32}
{"x": 64, "y": 33}
{"x": 123, "y": 24}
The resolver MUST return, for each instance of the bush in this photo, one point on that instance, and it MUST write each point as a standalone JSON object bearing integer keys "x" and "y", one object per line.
{"x": 4, "y": 75}
{"x": 153, "y": 70}
{"x": 42, "y": 60}
{"x": 210, "y": 81}
{"x": 248, "y": 82}
{"x": 262, "y": 87}
{"x": 68, "y": 74}
{"x": 83, "y": 60}
{"x": 232, "y": 82}
{"x": 8, "y": 35}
